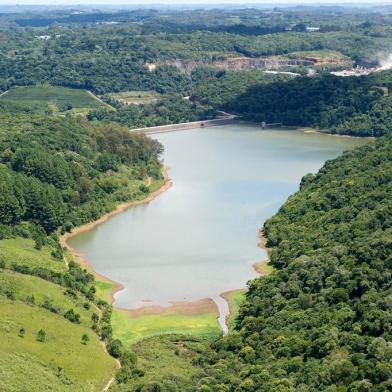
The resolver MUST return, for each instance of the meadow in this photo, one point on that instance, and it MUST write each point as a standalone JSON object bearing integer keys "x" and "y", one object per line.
{"x": 58, "y": 99}
{"x": 167, "y": 360}
{"x": 131, "y": 329}
{"x": 28, "y": 304}
{"x": 60, "y": 363}
{"x": 136, "y": 97}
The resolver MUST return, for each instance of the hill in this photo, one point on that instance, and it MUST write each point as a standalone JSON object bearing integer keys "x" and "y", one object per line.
{"x": 357, "y": 106}
{"x": 321, "y": 321}
{"x": 56, "y": 173}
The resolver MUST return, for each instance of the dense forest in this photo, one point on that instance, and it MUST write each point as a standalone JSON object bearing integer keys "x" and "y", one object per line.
{"x": 358, "y": 106}
{"x": 107, "y": 52}
{"x": 171, "y": 109}
{"x": 63, "y": 172}
{"x": 321, "y": 321}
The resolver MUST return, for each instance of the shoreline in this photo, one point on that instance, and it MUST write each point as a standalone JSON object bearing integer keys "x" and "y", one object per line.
{"x": 311, "y": 130}
{"x": 223, "y": 310}
{"x": 261, "y": 267}
{"x": 88, "y": 226}
{"x": 226, "y": 296}
{"x": 200, "y": 306}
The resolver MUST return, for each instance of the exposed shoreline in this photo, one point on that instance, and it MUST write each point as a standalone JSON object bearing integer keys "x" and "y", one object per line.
{"x": 325, "y": 132}
{"x": 88, "y": 226}
{"x": 200, "y": 306}
{"x": 183, "y": 307}
{"x": 260, "y": 267}
{"x": 203, "y": 305}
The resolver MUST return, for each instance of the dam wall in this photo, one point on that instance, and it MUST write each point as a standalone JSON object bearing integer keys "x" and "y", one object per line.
{"x": 184, "y": 126}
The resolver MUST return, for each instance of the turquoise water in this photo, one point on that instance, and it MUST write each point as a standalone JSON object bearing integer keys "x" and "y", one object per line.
{"x": 199, "y": 238}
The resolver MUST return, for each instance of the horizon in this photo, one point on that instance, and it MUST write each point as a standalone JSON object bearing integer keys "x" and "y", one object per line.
{"x": 182, "y": 3}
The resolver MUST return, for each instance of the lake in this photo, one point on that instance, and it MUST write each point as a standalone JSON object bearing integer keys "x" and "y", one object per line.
{"x": 199, "y": 238}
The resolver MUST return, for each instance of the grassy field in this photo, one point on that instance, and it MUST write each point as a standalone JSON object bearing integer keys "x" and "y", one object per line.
{"x": 60, "y": 363}
{"x": 21, "y": 251}
{"x": 167, "y": 360}
{"x": 131, "y": 329}
{"x": 23, "y": 286}
{"x": 136, "y": 97}
{"x": 104, "y": 289}
{"x": 59, "y": 99}
{"x": 234, "y": 298}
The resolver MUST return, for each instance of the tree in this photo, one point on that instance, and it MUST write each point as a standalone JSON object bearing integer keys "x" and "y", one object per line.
{"x": 115, "y": 348}
{"x": 22, "y": 332}
{"x": 41, "y": 336}
{"x": 72, "y": 316}
{"x": 94, "y": 318}
{"x": 85, "y": 339}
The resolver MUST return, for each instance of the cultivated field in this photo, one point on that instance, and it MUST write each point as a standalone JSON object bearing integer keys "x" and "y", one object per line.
{"x": 59, "y": 99}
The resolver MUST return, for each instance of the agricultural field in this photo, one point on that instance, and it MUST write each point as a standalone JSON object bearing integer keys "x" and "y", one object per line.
{"x": 55, "y": 99}
{"x": 136, "y": 97}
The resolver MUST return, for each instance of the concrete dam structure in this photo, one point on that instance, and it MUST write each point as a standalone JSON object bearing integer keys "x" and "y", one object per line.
{"x": 224, "y": 120}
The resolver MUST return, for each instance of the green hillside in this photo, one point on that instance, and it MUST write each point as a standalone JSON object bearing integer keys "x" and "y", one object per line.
{"x": 57, "y": 173}
{"x": 61, "y": 363}
{"x": 51, "y": 302}
{"x": 321, "y": 321}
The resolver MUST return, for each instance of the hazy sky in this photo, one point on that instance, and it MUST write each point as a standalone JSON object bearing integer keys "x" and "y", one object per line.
{"x": 172, "y": 2}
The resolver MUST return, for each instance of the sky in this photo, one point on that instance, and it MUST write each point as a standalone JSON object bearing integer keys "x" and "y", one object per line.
{"x": 183, "y": 2}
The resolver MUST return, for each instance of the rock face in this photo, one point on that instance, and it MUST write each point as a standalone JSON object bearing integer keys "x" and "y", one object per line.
{"x": 237, "y": 63}
{"x": 247, "y": 63}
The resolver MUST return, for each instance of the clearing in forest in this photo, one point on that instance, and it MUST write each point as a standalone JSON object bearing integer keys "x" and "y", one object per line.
{"x": 59, "y": 99}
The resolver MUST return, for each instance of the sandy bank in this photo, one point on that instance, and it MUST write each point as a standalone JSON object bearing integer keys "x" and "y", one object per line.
{"x": 327, "y": 133}
{"x": 261, "y": 267}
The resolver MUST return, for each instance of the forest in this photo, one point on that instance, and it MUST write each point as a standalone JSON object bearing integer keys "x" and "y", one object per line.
{"x": 63, "y": 172}
{"x": 321, "y": 321}
{"x": 112, "y": 57}
{"x": 354, "y": 106}
{"x": 57, "y": 173}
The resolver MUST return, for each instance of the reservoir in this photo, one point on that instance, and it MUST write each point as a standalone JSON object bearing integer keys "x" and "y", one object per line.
{"x": 199, "y": 238}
